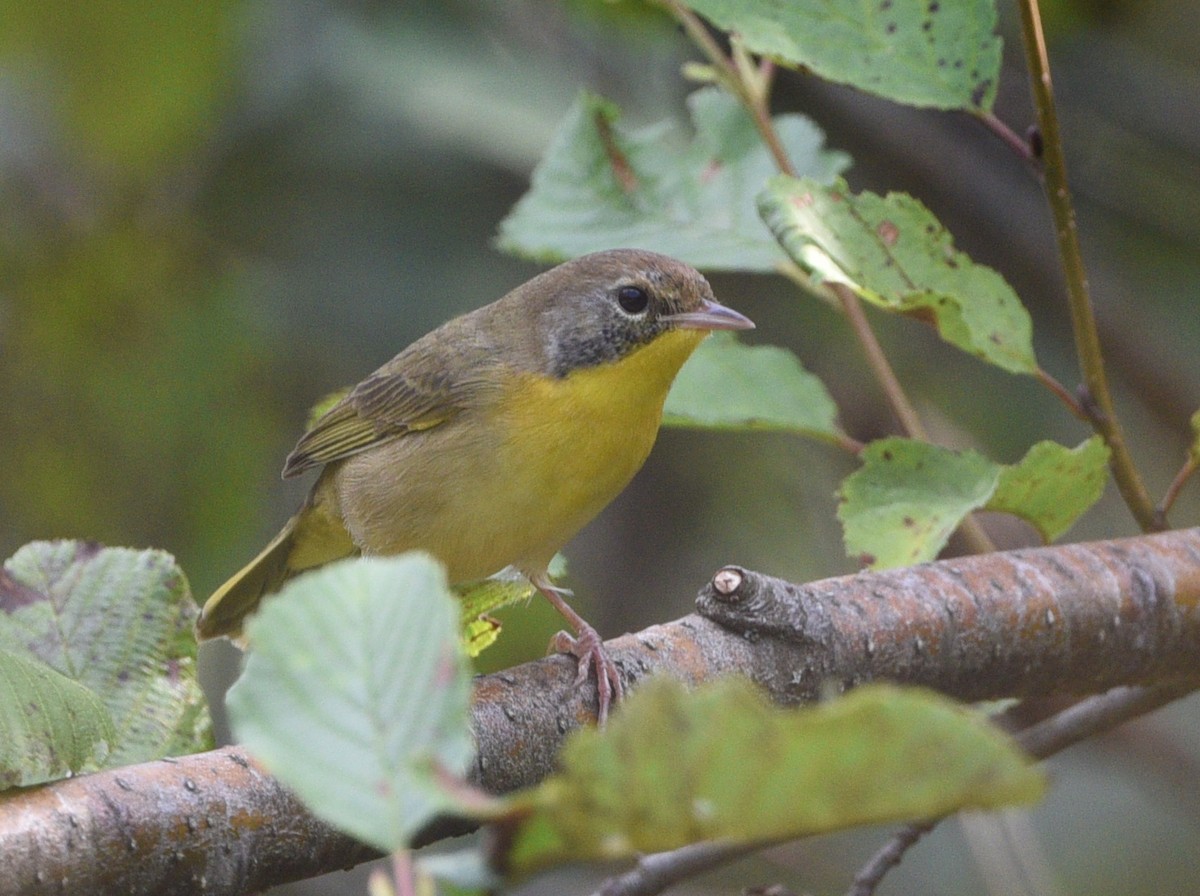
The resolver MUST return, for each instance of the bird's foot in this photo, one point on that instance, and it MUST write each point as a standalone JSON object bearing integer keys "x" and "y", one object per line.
{"x": 588, "y": 649}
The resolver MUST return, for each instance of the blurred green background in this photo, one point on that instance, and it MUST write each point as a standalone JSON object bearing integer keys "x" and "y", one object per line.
{"x": 212, "y": 214}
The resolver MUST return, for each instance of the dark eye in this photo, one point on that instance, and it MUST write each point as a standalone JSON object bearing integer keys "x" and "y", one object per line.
{"x": 632, "y": 299}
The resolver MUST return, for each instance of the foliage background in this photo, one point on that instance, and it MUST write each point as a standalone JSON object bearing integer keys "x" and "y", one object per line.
{"x": 212, "y": 214}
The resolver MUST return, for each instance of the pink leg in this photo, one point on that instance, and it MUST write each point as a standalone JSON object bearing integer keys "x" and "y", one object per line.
{"x": 587, "y": 647}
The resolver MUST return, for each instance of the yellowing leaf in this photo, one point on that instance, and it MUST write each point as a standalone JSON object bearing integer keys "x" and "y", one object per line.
{"x": 675, "y": 767}
{"x": 1053, "y": 485}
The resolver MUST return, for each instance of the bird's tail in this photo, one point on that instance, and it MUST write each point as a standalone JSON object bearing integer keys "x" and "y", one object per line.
{"x": 230, "y": 604}
{"x": 313, "y": 537}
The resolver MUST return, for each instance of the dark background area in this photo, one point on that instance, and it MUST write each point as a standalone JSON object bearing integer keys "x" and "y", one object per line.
{"x": 213, "y": 214}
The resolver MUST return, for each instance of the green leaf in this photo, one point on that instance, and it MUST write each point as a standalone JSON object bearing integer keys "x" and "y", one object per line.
{"x": 50, "y": 726}
{"x": 601, "y": 186}
{"x": 119, "y": 622}
{"x": 1053, "y": 485}
{"x": 478, "y": 599}
{"x": 727, "y": 385}
{"x": 908, "y": 498}
{"x": 675, "y": 767}
{"x": 938, "y": 55}
{"x": 892, "y": 252}
{"x": 356, "y": 694}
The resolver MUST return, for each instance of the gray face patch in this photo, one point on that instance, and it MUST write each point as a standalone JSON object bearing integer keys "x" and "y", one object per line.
{"x": 616, "y": 337}
{"x": 580, "y": 320}
{"x": 611, "y": 335}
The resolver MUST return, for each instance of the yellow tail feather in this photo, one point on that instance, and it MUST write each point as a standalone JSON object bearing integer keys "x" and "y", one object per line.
{"x": 313, "y": 537}
{"x": 230, "y": 604}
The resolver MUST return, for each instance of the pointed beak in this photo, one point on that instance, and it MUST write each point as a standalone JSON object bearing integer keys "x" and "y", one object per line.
{"x": 711, "y": 316}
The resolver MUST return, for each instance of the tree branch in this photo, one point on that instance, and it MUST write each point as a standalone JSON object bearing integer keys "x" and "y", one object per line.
{"x": 1076, "y": 619}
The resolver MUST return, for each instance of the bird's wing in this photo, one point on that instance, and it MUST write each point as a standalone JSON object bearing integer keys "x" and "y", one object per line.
{"x": 394, "y": 401}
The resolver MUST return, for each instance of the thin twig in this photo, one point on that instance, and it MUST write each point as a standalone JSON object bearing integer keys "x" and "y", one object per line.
{"x": 1063, "y": 394}
{"x": 1098, "y": 714}
{"x": 910, "y": 423}
{"x": 889, "y": 856}
{"x": 662, "y": 870}
{"x": 1083, "y": 321}
{"x": 700, "y": 36}
{"x": 1011, "y": 139}
{"x": 1076, "y": 723}
{"x": 877, "y": 360}
{"x": 848, "y": 443}
{"x": 1185, "y": 473}
{"x": 751, "y": 87}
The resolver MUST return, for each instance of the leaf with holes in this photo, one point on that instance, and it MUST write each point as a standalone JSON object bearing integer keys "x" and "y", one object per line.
{"x": 893, "y": 253}
{"x": 908, "y": 497}
{"x": 941, "y": 55}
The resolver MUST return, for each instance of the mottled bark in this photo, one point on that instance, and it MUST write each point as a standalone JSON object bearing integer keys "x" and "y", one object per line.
{"x": 1076, "y": 619}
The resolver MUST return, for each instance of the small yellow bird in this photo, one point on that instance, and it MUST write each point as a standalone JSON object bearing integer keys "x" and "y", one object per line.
{"x": 492, "y": 440}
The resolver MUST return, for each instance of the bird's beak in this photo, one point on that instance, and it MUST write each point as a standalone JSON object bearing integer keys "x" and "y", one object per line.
{"x": 711, "y": 316}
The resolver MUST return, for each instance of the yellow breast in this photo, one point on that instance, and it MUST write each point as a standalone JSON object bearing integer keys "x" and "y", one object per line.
{"x": 574, "y": 443}
{"x": 512, "y": 484}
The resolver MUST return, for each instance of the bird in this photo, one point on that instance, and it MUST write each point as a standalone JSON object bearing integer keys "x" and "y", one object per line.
{"x": 490, "y": 441}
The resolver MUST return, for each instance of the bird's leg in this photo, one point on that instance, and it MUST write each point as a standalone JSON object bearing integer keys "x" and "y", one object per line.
{"x": 586, "y": 646}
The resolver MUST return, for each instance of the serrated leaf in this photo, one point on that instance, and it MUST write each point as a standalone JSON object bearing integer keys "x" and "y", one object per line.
{"x": 727, "y": 385}
{"x": 672, "y": 768}
{"x": 935, "y": 55}
{"x": 119, "y": 622}
{"x": 50, "y": 726}
{"x": 356, "y": 691}
{"x": 907, "y": 499}
{"x": 892, "y": 252}
{"x": 600, "y": 186}
{"x": 1053, "y": 485}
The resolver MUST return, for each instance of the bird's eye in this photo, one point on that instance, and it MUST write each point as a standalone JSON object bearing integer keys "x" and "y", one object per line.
{"x": 632, "y": 299}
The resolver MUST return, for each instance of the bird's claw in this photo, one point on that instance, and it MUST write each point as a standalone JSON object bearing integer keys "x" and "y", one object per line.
{"x": 588, "y": 649}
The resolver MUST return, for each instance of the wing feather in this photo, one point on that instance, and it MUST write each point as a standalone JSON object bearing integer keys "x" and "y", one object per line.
{"x": 400, "y": 398}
